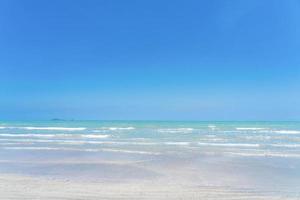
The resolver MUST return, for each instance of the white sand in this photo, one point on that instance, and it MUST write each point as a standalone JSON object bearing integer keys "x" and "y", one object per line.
{"x": 32, "y": 175}
{"x": 26, "y": 187}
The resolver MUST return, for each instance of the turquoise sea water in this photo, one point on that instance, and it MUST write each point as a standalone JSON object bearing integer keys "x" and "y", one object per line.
{"x": 256, "y": 139}
{"x": 260, "y": 156}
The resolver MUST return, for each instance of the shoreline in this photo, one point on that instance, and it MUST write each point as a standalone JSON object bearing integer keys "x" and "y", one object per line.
{"x": 88, "y": 160}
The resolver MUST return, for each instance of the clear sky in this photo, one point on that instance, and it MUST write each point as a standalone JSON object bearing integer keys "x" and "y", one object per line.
{"x": 150, "y": 59}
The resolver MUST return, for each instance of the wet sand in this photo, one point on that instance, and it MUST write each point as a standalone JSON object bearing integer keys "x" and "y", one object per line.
{"x": 24, "y": 187}
{"x": 87, "y": 176}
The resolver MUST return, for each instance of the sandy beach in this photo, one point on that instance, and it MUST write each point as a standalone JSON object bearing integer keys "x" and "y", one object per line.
{"x": 89, "y": 176}
{"x": 24, "y": 187}
{"x": 115, "y": 160}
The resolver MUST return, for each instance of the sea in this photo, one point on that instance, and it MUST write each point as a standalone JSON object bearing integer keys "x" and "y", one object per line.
{"x": 258, "y": 154}
{"x": 252, "y": 139}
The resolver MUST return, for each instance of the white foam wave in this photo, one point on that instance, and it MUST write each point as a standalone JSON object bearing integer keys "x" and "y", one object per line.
{"x": 86, "y": 150}
{"x": 286, "y": 145}
{"x": 31, "y": 148}
{"x": 106, "y": 142}
{"x": 211, "y": 136}
{"x": 229, "y": 144}
{"x": 250, "y": 129}
{"x": 54, "y": 128}
{"x": 15, "y": 143}
{"x": 266, "y": 154}
{"x": 213, "y": 127}
{"x": 95, "y": 136}
{"x": 78, "y": 142}
{"x": 259, "y": 137}
{"x": 27, "y": 135}
{"x": 177, "y": 143}
{"x": 175, "y": 130}
{"x": 131, "y": 152}
{"x": 55, "y": 135}
{"x": 287, "y": 131}
{"x": 46, "y": 128}
{"x": 21, "y": 140}
{"x": 99, "y": 131}
{"x": 82, "y": 142}
{"x": 117, "y": 128}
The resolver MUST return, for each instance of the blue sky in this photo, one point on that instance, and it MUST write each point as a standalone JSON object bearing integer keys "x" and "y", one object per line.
{"x": 189, "y": 60}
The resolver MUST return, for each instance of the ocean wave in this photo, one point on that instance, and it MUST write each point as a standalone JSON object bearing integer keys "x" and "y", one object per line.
{"x": 177, "y": 143}
{"x": 84, "y": 150}
{"x": 212, "y": 127}
{"x": 215, "y": 140}
{"x": 31, "y": 148}
{"x": 36, "y": 140}
{"x": 250, "y": 128}
{"x": 211, "y": 136}
{"x": 45, "y": 128}
{"x": 14, "y": 143}
{"x": 55, "y": 142}
{"x": 82, "y": 142}
{"x": 264, "y": 154}
{"x": 229, "y": 144}
{"x": 130, "y": 151}
{"x": 175, "y": 130}
{"x": 72, "y": 141}
{"x": 99, "y": 131}
{"x": 286, "y": 145}
{"x": 287, "y": 131}
{"x": 54, "y": 128}
{"x": 55, "y": 135}
{"x": 94, "y": 136}
{"x": 259, "y": 137}
{"x": 117, "y": 128}
{"x": 27, "y": 135}
{"x": 105, "y": 142}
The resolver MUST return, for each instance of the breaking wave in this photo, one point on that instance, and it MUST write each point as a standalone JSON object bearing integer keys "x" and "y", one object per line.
{"x": 250, "y": 129}
{"x": 175, "y": 130}
{"x": 116, "y": 128}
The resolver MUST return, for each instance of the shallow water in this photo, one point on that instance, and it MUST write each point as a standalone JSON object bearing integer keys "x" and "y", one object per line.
{"x": 264, "y": 156}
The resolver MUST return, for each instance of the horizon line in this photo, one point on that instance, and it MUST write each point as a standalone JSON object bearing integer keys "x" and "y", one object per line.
{"x": 148, "y": 120}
